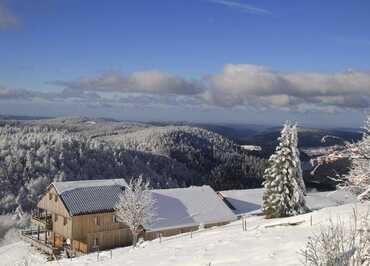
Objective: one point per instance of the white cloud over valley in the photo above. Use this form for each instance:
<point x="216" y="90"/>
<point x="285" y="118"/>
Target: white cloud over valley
<point x="235" y="86"/>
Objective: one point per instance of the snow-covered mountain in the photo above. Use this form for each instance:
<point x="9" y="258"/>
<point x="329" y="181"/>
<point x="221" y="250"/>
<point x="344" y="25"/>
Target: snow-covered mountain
<point x="34" y="154"/>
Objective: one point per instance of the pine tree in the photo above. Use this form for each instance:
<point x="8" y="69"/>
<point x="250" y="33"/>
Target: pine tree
<point x="284" y="193"/>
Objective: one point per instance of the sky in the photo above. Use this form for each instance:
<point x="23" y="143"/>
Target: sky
<point x="219" y="61"/>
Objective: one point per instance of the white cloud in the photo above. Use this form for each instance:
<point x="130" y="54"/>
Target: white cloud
<point x="237" y="86"/>
<point x="256" y="85"/>
<point x="8" y="94"/>
<point x="242" y="6"/>
<point x="151" y="82"/>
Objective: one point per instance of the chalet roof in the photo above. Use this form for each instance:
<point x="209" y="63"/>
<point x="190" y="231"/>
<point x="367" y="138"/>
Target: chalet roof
<point x="90" y="196"/>
<point x="192" y="206"/>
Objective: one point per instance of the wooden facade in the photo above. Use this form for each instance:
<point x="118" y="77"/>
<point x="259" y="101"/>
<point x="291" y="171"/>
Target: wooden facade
<point x="83" y="233"/>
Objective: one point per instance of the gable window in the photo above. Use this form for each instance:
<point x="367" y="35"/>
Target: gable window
<point x="115" y="219"/>
<point x="56" y="198"/>
<point x="50" y="196"/>
<point x="96" y="242"/>
<point x="64" y="220"/>
<point x="97" y="220"/>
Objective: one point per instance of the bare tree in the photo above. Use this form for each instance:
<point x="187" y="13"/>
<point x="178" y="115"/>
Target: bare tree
<point x="358" y="178"/>
<point x="340" y="244"/>
<point x="136" y="206"/>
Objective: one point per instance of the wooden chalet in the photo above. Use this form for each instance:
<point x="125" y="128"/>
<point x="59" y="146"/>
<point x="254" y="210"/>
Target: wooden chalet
<point x="79" y="216"/>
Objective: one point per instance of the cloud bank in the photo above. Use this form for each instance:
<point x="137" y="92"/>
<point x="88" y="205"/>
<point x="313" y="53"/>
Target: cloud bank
<point x="236" y="86"/>
<point x="151" y="82"/>
<point x="261" y="86"/>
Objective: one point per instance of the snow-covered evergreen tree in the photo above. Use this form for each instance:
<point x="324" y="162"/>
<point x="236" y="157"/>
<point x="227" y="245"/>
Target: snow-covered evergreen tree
<point x="358" y="178"/>
<point x="284" y="194"/>
<point x="296" y="156"/>
<point x="136" y="206"/>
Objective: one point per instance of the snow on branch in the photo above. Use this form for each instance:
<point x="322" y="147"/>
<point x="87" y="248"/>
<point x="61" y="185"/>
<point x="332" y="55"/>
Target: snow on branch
<point x="136" y="206"/>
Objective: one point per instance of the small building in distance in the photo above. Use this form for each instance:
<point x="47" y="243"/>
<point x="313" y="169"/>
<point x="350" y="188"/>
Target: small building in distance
<point x="251" y="148"/>
<point x="79" y="216"/>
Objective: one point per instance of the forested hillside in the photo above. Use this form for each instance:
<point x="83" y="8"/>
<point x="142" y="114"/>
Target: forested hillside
<point x="217" y="159"/>
<point x="33" y="155"/>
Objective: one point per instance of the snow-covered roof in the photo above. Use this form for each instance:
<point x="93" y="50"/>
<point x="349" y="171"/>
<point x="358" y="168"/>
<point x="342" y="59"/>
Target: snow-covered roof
<point x="90" y="196"/>
<point x="182" y="207"/>
<point x="244" y="200"/>
<point x="250" y="200"/>
<point x="64" y="186"/>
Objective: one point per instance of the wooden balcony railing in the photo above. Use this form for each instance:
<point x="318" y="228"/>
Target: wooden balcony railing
<point x="43" y="220"/>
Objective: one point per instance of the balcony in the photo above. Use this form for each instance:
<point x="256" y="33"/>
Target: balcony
<point x="42" y="219"/>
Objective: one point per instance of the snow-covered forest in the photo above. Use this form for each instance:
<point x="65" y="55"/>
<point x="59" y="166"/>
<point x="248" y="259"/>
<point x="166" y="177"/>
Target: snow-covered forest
<point x="32" y="156"/>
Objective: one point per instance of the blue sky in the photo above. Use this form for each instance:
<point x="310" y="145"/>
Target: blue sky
<point x="199" y="60"/>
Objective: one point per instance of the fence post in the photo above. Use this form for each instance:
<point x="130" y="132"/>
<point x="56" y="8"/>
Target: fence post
<point x="111" y="254"/>
<point x="244" y="224"/>
<point x="191" y="233"/>
<point x="311" y="220"/>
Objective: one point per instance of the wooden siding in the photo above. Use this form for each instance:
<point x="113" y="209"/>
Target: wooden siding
<point x="109" y="239"/>
<point x="51" y="205"/>
<point x="61" y="228"/>
<point x="79" y="246"/>
<point x="108" y="233"/>
<point x="151" y="235"/>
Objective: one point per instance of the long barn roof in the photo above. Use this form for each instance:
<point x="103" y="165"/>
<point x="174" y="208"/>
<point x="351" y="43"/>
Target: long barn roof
<point x="185" y="207"/>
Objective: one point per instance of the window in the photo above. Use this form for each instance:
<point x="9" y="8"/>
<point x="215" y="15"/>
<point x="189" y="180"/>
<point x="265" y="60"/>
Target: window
<point x="55" y="217"/>
<point x="96" y="242"/>
<point x="65" y="221"/>
<point x="97" y="220"/>
<point x="115" y="219"/>
<point x="56" y="198"/>
<point x="50" y="196"/>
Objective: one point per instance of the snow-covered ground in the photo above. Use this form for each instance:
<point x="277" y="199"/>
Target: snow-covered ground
<point x="250" y="200"/>
<point x="264" y="243"/>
